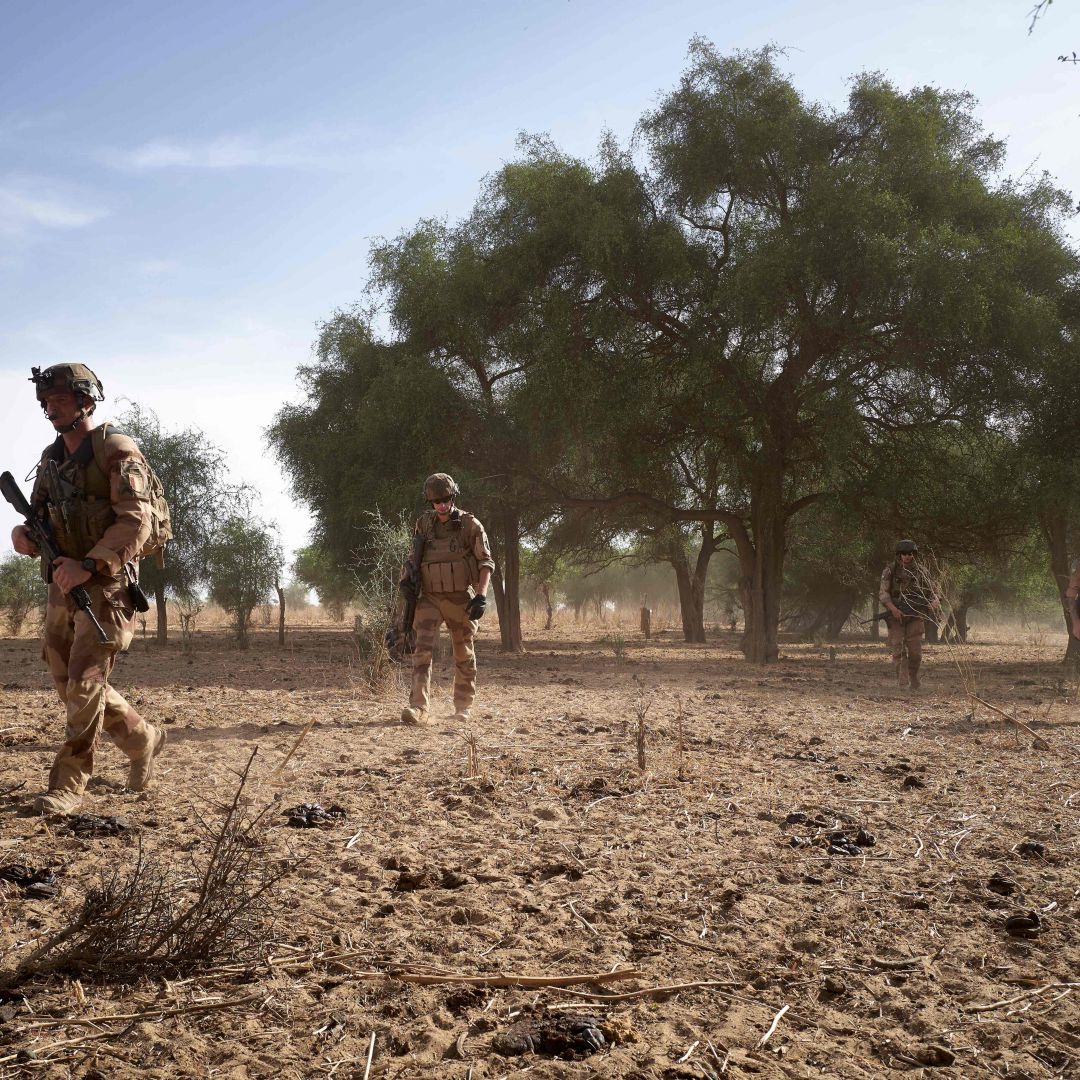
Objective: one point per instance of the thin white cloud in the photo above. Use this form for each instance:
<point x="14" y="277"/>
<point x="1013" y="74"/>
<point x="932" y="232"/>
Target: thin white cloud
<point x="318" y="148"/>
<point x="157" y="267"/>
<point x="26" y="204"/>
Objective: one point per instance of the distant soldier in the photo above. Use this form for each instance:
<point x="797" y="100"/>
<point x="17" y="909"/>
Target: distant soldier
<point x="451" y="587"/>
<point x="1072" y="598"/>
<point x="92" y="488"/>
<point x="908" y="598"/>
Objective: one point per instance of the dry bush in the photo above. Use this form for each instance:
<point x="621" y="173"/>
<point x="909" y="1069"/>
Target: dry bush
<point x="378" y="596"/>
<point x="153" y="919"/>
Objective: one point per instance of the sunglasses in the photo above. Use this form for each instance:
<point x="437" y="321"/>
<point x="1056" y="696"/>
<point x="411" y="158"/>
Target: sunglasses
<point x="441" y="502"/>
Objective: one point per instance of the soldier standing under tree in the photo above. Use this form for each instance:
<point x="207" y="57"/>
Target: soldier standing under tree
<point x="907" y="599"/>
<point x="97" y="502"/>
<point x="450" y="586"/>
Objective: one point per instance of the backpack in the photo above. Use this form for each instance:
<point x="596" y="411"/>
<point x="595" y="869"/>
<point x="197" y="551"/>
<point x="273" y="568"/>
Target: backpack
<point x="160" y="518"/>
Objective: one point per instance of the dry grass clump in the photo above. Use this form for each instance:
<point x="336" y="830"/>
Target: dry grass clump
<point x="153" y="919"/>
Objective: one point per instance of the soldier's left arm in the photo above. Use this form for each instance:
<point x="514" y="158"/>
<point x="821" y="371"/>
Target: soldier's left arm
<point x="129" y="490"/>
<point x="482" y="554"/>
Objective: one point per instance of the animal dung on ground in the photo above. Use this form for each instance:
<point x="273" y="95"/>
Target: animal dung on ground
<point x="1030" y="849"/>
<point x="1023" y="924"/>
<point x="556" y="1035"/>
<point x="91" y="826"/>
<point x="36" y="884"/>
<point x="313" y="816"/>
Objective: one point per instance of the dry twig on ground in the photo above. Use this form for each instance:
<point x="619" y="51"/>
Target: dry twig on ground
<point x="146" y="919"/>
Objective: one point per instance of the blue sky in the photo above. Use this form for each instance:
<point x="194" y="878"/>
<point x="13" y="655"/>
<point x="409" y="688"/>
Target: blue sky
<point x="187" y="190"/>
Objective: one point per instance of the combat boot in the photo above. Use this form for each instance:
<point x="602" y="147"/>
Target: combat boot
<point x="901" y="673"/>
<point x="913" y="674"/>
<point x="56" y="802"/>
<point x="413" y="716"/>
<point x="461" y="716"/>
<point x="141" y="771"/>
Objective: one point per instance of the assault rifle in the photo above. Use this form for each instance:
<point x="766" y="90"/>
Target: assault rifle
<point x="42" y="535"/>
<point x="907" y="609"/>
<point x="401" y="641"/>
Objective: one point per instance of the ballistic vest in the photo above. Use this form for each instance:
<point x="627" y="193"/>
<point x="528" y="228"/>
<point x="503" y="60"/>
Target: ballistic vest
<point x="449" y="562"/>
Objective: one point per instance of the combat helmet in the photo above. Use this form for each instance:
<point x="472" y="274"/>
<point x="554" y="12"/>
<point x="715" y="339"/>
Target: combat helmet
<point x="77" y="378"/>
<point x="440" y="485"/>
<point x="907" y="547"/>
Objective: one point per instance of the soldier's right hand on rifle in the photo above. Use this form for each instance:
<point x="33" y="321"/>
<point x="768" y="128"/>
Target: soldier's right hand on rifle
<point x="22" y="541"/>
<point x="408" y="588"/>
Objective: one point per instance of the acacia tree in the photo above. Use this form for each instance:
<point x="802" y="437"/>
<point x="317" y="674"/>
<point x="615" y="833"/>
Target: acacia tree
<point x="472" y="301"/>
<point x="244" y="563"/>
<point x="194" y="475"/>
<point x="335" y="585"/>
<point x="782" y="282"/>
<point x="21" y="590"/>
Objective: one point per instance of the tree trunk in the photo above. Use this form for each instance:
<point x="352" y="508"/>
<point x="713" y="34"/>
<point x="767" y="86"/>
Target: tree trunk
<point x="1055" y="533"/>
<point x="761" y="558"/>
<point x="549" y="609"/>
<point x="281" y="613"/>
<point x="959" y="620"/>
<point x="507" y="580"/>
<point x="875" y="626"/>
<point x="162" y="614"/>
<point x="691" y="589"/>
<point x="839" y="613"/>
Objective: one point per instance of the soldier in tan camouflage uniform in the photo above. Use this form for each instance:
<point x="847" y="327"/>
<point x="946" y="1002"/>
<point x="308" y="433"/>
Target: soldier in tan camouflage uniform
<point x="453" y="577"/>
<point x="1072" y="597"/>
<point x="905" y="595"/>
<point x="101" y="520"/>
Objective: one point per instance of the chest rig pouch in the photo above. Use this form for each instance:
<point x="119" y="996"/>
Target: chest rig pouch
<point x="74" y="494"/>
<point x="449" y="564"/>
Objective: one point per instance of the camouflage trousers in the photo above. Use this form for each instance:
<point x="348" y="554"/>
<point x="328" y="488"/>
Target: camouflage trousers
<point x="431" y="611"/>
<point x="80" y="665"/>
<point x="907" y="632"/>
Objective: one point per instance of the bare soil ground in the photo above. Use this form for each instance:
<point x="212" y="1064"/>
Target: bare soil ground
<point x="538" y="846"/>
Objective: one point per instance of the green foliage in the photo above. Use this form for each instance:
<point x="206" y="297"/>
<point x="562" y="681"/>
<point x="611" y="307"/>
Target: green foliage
<point x="296" y="596"/>
<point x="21" y="590"/>
<point x="377" y="593"/>
<point x="194" y="475"/>
<point x="244" y="563"/>
<point x="334" y="584"/>
<point x="376" y="420"/>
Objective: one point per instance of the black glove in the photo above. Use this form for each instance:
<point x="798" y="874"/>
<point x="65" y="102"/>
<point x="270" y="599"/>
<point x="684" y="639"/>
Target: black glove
<point x="476" y="607"/>
<point x="408" y="588"/>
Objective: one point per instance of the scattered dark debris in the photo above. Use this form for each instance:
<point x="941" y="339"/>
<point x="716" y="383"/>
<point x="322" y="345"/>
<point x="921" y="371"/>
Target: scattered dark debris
<point x="865" y="839"/>
<point x="839" y="844"/>
<point x="833" y="984"/>
<point x="557" y="1035"/>
<point x="935" y="1056"/>
<point x="411" y="879"/>
<point x="87" y="826"/>
<point x="1023" y="924"/>
<point x="913" y="781"/>
<point x="313" y="816"/>
<point x="1002" y="885"/>
<point x="35" y="884"/>
<point x="1030" y="849"/>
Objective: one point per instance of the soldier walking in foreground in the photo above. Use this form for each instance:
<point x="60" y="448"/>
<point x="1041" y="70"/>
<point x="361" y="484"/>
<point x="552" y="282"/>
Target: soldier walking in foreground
<point x="92" y="493"/>
<point x="907" y="597"/>
<point x="449" y="585"/>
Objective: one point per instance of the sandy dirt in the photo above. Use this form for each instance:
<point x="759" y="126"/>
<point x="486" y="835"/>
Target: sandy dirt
<point x="536" y="845"/>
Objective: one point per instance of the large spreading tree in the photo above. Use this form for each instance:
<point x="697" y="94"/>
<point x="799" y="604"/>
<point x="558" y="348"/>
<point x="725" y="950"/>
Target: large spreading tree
<point x="777" y="286"/>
